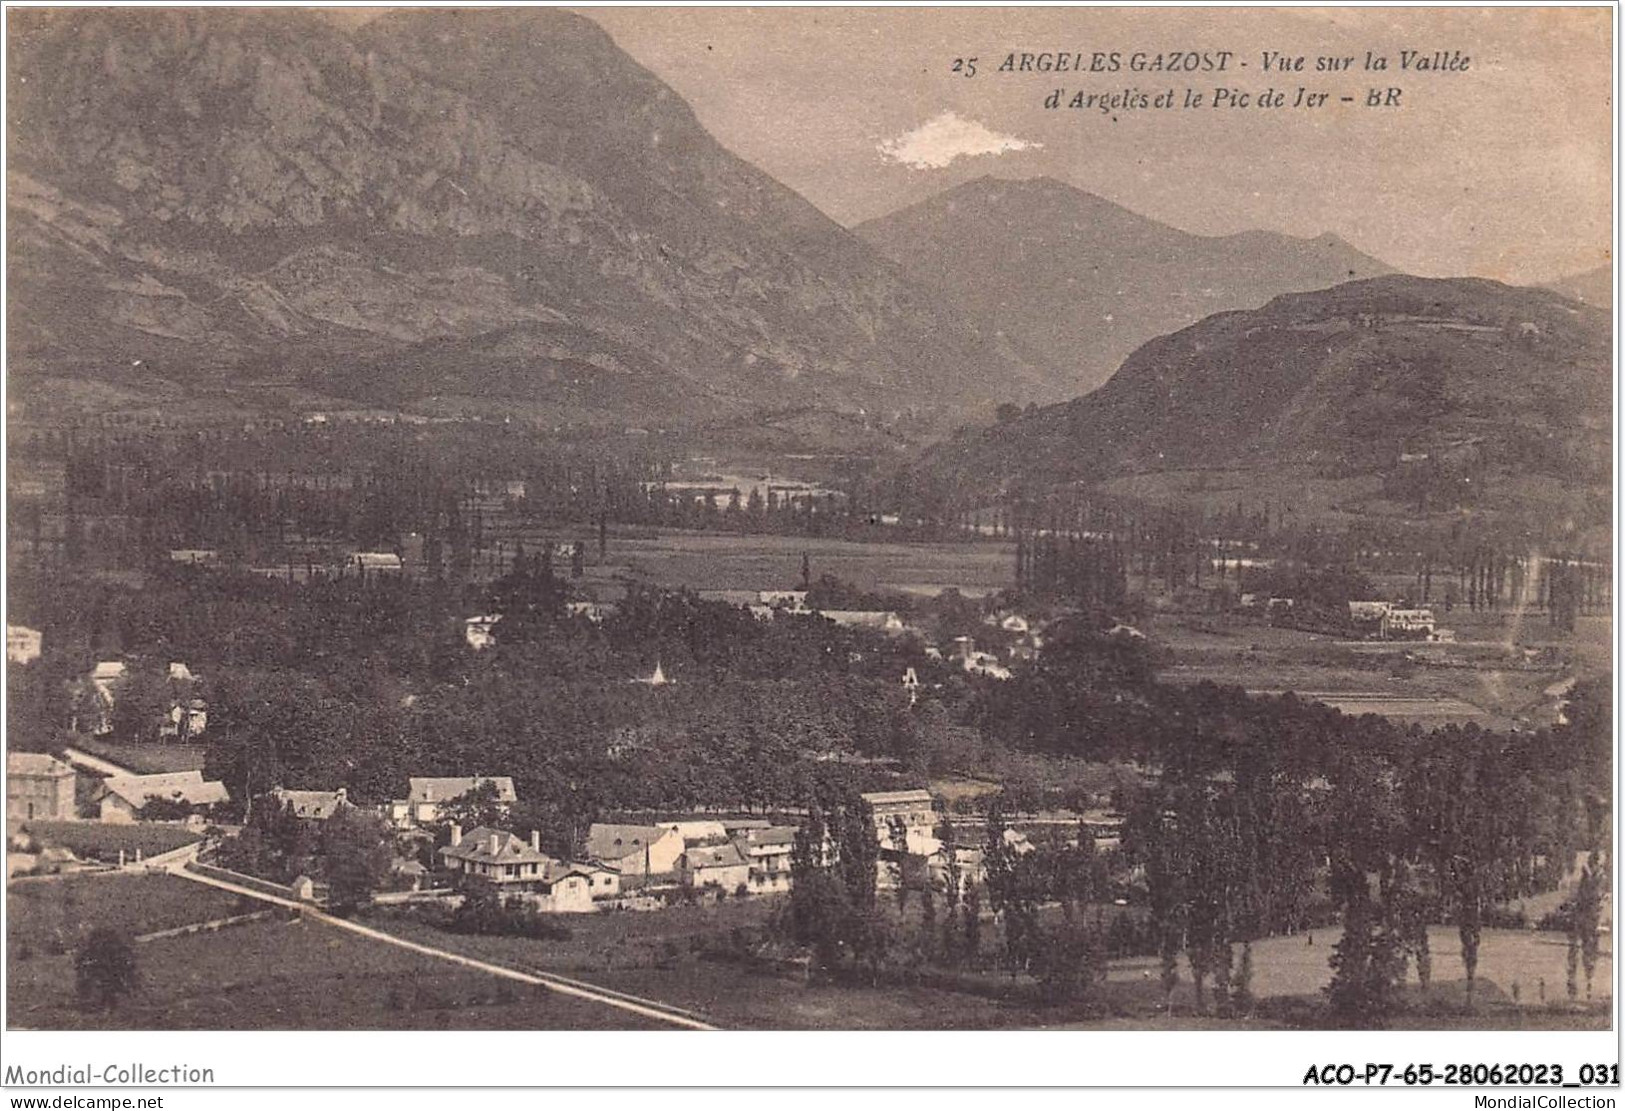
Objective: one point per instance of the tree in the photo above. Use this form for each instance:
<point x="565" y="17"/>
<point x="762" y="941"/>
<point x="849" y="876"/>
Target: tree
<point x="1573" y="982"/>
<point x="1585" y="922"/>
<point x="140" y="702"/>
<point x="166" y="810"/>
<point x="1409" y="910"/>
<point x="973" y="926"/>
<point x="1152" y="837"/>
<point x="1369" y="961"/>
<point x="480" y="805"/>
<point x="1241" y="987"/>
<point x="859" y="852"/>
<point x="105" y="969"/>
<point x="357" y="851"/>
<point x="897" y="833"/>
<point x="1071" y="957"/>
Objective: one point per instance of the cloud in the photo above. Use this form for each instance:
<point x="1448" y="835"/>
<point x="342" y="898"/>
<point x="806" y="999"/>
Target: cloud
<point x="945" y="137"/>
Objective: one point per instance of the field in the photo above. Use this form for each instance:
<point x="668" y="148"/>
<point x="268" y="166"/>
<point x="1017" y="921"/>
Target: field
<point x="723" y="561"/>
<point x="265" y="975"/>
<point x="653" y="955"/>
<point x="1356" y="501"/>
<point x="55" y="912"/>
<point x="1479" y="680"/>
<point x="103" y="841"/>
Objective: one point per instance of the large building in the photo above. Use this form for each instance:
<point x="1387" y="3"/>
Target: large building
<point x="123" y="797"/>
<point x="915" y="811"/>
<point x="38" y="787"/>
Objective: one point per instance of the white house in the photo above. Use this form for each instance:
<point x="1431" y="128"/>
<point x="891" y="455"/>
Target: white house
<point x="477" y="631"/>
<point x="881" y="620"/>
<point x="105" y="679"/>
<point x="427" y="795"/>
<point x="374" y="563"/>
<point x="594" y="612"/>
<point x="722" y="866"/>
<point x="985" y="663"/>
<point x="767" y="851"/>
<point x="1415" y="622"/>
<point x="23" y="644"/>
<point x="38" y="786"/>
<point x="1369" y="611"/>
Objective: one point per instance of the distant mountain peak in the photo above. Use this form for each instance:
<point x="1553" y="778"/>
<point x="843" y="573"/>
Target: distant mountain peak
<point x="1076" y="281"/>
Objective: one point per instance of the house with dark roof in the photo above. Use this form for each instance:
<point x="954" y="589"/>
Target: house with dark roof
<point x="635" y="850"/>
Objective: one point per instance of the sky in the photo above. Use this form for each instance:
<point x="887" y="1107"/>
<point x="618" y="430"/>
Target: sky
<point x="1501" y="171"/>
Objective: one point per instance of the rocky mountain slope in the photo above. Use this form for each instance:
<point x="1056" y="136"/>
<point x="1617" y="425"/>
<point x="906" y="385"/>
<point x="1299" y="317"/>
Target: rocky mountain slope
<point x="1078" y="282"/>
<point x="455" y="207"/>
<point x="1410" y="382"/>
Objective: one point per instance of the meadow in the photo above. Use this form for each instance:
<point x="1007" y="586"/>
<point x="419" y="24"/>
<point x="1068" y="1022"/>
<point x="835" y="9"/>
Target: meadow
<point x="282" y="974"/>
<point x="54" y="912"/>
<point x="1296" y="966"/>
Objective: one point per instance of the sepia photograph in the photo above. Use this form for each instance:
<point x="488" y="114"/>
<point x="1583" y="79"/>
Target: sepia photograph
<point x="809" y="519"/>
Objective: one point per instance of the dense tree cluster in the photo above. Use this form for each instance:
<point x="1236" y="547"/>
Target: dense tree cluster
<point x="1399" y="828"/>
